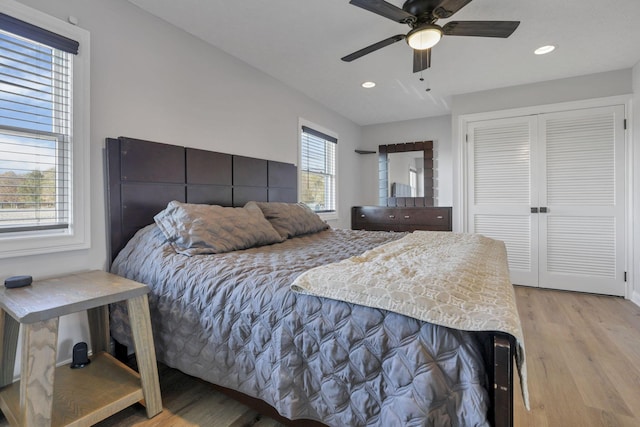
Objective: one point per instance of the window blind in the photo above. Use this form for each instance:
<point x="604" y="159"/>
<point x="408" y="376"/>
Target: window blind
<point x="40" y="35"/>
<point x="35" y="127"/>
<point x="318" y="170"/>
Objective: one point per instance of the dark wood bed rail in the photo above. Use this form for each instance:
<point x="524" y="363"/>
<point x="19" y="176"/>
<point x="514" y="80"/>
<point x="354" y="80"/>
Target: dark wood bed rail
<point x="501" y="380"/>
<point x="143" y="176"/>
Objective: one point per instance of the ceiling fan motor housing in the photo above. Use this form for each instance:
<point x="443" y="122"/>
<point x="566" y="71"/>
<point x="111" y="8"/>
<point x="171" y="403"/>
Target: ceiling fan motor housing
<point x="426" y="11"/>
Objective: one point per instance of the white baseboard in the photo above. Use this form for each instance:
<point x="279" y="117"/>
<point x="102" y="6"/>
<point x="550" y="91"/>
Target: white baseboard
<point x="635" y="298"/>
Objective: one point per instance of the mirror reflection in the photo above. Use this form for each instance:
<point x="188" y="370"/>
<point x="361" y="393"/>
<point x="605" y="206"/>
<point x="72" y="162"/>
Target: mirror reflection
<point x="406" y="168"/>
<point x="405" y="174"/>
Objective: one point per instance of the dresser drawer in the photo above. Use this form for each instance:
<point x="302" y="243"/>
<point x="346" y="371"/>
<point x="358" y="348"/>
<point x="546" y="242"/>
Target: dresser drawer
<point x="401" y="218"/>
<point x="373" y="214"/>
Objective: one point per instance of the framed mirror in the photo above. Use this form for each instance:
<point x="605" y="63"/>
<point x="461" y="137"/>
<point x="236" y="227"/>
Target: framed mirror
<point x="406" y="174"/>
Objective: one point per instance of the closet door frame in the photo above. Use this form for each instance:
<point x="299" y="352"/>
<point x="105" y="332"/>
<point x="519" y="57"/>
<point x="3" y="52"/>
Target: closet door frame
<point x="461" y="167"/>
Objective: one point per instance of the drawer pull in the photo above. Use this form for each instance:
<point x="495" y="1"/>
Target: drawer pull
<point x="363" y="216"/>
<point x="439" y="217"/>
<point x="392" y="216"/>
<point x="407" y="217"/>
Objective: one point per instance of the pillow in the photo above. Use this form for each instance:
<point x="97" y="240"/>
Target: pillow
<point x="291" y="219"/>
<point x="210" y="229"/>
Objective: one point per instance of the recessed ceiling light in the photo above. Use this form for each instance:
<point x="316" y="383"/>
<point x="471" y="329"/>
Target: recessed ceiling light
<point x="544" y="49"/>
<point x="368" y="85"/>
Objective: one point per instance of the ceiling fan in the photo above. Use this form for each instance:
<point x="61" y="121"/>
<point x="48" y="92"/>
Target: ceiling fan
<point x="421" y="16"/>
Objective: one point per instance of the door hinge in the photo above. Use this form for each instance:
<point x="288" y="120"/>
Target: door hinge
<point x="625" y="276"/>
<point x="466" y="137"/>
<point x="625" y="124"/>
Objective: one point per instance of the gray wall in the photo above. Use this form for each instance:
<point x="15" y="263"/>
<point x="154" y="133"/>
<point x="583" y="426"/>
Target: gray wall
<point x="150" y="80"/>
<point x="550" y="92"/>
<point x="591" y="86"/>
<point x="153" y="81"/>
<point x="436" y="129"/>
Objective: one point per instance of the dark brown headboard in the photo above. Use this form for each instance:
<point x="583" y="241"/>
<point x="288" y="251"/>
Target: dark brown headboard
<point x="143" y="176"/>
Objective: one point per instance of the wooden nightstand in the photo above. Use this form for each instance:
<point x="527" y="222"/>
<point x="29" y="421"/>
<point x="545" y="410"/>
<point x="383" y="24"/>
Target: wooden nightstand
<point x="77" y="397"/>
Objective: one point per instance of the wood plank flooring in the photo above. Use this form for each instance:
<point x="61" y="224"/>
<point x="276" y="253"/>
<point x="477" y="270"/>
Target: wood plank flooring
<point x="189" y="402"/>
<point x="583" y="354"/>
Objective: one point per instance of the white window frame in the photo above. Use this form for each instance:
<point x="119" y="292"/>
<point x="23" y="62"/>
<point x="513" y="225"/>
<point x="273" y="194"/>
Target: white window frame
<point x="78" y="235"/>
<point x="327" y="216"/>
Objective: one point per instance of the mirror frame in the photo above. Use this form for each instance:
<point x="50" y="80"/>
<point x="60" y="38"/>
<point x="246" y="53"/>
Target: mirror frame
<point x="383" y="174"/>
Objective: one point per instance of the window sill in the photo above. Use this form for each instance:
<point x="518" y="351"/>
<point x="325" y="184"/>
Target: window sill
<point x="42" y="244"/>
<point x="328" y="216"/>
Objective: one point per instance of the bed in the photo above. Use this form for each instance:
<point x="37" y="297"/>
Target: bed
<point x="233" y="319"/>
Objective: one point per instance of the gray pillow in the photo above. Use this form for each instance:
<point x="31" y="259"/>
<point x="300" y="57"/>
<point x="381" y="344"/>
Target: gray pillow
<point x="210" y="229"/>
<point x="291" y="219"/>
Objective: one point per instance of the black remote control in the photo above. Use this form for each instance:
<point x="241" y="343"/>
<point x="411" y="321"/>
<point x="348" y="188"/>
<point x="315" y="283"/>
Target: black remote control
<point x="18" y="281"/>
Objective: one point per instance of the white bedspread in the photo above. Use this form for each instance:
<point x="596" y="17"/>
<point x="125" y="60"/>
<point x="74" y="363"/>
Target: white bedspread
<point x="456" y="280"/>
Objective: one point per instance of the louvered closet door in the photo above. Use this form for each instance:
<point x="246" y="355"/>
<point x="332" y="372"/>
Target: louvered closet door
<point x="567" y="166"/>
<point x="582" y="185"/>
<point x="500" y="191"/>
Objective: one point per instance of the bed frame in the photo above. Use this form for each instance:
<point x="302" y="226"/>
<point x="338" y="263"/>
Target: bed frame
<point x="143" y="176"/>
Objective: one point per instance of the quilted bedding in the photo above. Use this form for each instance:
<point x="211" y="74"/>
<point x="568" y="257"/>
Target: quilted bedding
<point x="231" y="319"/>
<point x="458" y="280"/>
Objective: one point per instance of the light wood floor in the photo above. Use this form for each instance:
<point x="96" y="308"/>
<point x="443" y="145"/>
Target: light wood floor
<point x="583" y="354"/>
<point x="190" y="402"/>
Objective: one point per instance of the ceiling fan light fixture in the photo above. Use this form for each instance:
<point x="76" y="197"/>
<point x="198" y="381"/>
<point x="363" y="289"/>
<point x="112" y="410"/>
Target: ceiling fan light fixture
<point x="424" y="37"/>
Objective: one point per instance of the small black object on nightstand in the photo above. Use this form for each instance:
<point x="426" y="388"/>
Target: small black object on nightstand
<point x="79" y="357"/>
<point x="18" y="281"/>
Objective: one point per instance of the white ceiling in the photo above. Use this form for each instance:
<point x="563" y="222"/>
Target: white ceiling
<point x="300" y="42"/>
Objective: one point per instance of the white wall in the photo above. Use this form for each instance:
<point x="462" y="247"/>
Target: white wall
<point x="590" y="86"/>
<point x="635" y="270"/>
<point x="152" y="81"/>
<point x="436" y="129"/>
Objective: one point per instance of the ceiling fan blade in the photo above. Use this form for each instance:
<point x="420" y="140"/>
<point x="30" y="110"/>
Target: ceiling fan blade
<point x="446" y="8"/>
<point x="373" y="47"/>
<point x="385" y="9"/>
<point x="421" y="59"/>
<point x="481" y="28"/>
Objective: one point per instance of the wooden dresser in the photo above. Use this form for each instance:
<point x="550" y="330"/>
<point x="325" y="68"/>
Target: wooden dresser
<point x="384" y="218"/>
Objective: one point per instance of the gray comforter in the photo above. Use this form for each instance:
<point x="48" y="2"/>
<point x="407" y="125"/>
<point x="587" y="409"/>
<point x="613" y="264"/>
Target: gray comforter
<point x="231" y="319"/>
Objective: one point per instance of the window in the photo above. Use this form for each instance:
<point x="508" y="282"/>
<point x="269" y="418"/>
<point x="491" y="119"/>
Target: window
<point x="43" y="158"/>
<point x="413" y="182"/>
<point x="318" y="170"/>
